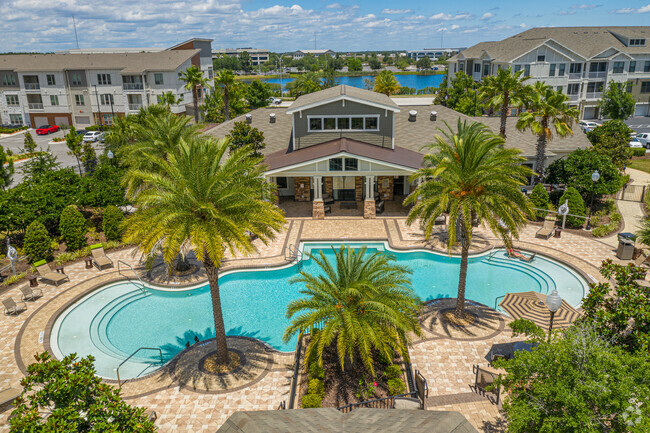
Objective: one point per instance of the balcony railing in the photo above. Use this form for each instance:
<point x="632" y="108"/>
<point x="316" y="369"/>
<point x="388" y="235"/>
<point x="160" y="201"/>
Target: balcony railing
<point x="35" y="105"/>
<point x="132" y="86"/>
<point x="575" y="75"/>
<point x="574" y="97"/>
<point x="32" y="86"/>
<point x="594" y="95"/>
<point x="135" y="107"/>
<point x="597" y="74"/>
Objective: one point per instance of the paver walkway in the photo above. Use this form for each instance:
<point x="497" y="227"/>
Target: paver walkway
<point x="631" y="211"/>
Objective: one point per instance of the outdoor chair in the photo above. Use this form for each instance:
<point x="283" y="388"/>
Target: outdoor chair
<point x="30" y="294"/>
<point x="440" y="220"/>
<point x="641" y="260"/>
<point x="100" y="259"/>
<point x="11" y="307"/>
<point x="547" y="229"/>
<point x="327" y="199"/>
<point x="379" y="207"/>
<point x="9" y="394"/>
<point x="47" y="276"/>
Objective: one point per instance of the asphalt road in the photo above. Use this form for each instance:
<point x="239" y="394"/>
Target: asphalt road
<point x="639" y="124"/>
<point x="59" y="150"/>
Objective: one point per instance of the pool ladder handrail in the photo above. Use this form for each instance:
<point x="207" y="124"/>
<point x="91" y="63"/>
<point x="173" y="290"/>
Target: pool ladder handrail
<point x="119" y="382"/>
<point x="293" y="251"/>
<point x="132" y="270"/>
<point x="492" y="252"/>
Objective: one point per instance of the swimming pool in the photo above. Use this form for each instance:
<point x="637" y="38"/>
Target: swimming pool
<point x="114" y="321"/>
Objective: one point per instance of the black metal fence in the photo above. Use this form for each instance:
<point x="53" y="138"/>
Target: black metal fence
<point x="632" y="193"/>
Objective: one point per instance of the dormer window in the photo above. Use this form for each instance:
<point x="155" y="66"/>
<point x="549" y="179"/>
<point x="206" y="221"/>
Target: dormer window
<point x="637" y="43"/>
<point x="343" y="123"/>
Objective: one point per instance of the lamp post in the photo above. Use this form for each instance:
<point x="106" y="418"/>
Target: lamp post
<point x="594" y="177"/>
<point x="553" y="303"/>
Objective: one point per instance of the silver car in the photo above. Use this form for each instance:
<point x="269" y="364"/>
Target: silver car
<point x="92" y="136"/>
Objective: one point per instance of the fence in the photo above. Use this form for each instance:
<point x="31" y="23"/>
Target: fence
<point x="631" y="193"/>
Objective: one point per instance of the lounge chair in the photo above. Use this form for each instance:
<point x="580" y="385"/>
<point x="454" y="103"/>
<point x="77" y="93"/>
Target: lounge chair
<point x="100" y="259"/>
<point x="11" y="307"/>
<point x="9" y="394"/>
<point x="379" y="207"/>
<point x="327" y="199"/>
<point x="47" y="276"/>
<point x="30" y="294"/>
<point x="547" y="230"/>
<point x="640" y="261"/>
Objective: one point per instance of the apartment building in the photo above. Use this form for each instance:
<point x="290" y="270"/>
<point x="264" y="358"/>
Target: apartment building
<point x="92" y="88"/>
<point x="316" y="53"/>
<point x="258" y="56"/>
<point x="580" y="61"/>
<point x="433" y="53"/>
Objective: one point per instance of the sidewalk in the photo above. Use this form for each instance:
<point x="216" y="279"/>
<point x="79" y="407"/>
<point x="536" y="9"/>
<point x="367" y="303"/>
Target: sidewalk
<point x="631" y="211"/>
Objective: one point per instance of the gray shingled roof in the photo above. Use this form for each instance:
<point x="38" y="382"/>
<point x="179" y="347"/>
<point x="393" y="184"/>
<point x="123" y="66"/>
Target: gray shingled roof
<point x="585" y="41"/>
<point x="327" y="95"/>
<point x="358" y="421"/>
<point x="128" y="63"/>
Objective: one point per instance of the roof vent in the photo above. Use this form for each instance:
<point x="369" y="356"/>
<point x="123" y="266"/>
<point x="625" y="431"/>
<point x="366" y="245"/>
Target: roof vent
<point x="433" y="116"/>
<point x="272" y="118"/>
<point x="412" y="115"/>
<point x="249" y="118"/>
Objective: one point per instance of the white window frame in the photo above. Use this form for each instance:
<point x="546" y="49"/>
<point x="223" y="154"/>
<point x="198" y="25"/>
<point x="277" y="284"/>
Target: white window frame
<point x="52" y="81"/>
<point x="16" y="116"/>
<point x="76" y="79"/>
<point x="104" y="79"/>
<point x="106" y="99"/>
<point x="54" y="100"/>
<point x="162" y="79"/>
<point x="349" y="117"/>
<point x="79" y="100"/>
<point x="10" y="103"/>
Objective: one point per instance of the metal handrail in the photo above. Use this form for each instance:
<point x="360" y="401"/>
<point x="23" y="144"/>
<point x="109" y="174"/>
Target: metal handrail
<point x="133" y="270"/>
<point x="294" y="252"/>
<point x="119" y="382"/>
<point x="282" y="406"/>
<point x="376" y="402"/>
<point x="496" y="299"/>
<point x="491" y="253"/>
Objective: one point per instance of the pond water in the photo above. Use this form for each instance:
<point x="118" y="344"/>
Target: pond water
<point x="414" y="81"/>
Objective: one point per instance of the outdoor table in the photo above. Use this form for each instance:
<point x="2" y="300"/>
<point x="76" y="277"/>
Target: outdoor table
<point x="89" y="262"/>
<point x="33" y="281"/>
<point x="522" y="345"/>
<point x="59" y="269"/>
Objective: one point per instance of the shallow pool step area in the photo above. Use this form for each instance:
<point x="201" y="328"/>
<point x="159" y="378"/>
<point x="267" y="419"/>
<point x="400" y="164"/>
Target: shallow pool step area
<point x="546" y="282"/>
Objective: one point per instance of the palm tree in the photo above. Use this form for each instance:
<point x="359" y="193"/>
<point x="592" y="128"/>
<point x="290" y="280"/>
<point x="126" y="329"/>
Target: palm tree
<point x="362" y="301"/>
<point x="469" y="174"/>
<point x="226" y="79"/>
<point x="200" y="198"/>
<point x="643" y="235"/>
<point x="193" y="78"/>
<point x="169" y="99"/>
<point x="504" y="90"/>
<point x="386" y="83"/>
<point x="309" y="82"/>
<point x="546" y="110"/>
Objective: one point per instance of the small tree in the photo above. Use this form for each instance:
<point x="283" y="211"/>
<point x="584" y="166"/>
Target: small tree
<point x="29" y="143"/>
<point x="374" y="63"/>
<point x="576" y="207"/>
<point x="612" y="139"/>
<point x="73" y="228"/>
<point x="112" y="221"/>
<point x="539" y="197"/>
<point x="258" y="94"/>
<point x="89" y="157"/>
<point x="74" y="399"/>
<point x="242" y="134"/>
<point x="6" y="171"/>
<point x="38" y="244"/>
<point x="576" y="170"/>
<point x="424" y="63"/>
<point x="354" y="65"/>
<point x="386" y="83"/>
<point x="616" y="102"/>
<point x="74" y="142"/>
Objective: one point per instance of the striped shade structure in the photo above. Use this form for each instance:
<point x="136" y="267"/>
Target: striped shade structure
<point x="532" y="306"/>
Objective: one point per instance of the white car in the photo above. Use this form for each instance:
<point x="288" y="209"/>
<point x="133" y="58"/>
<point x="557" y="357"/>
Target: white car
<point x="91" y="136"/>
<point x="587" y="125"/>
<point x="644" y="138"/>
<point x="636" y="144"/>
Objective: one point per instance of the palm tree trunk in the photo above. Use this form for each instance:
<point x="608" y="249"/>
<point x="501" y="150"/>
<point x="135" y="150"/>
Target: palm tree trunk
<point x="219" y="328"/>
<point x="504" y="114"/>
<point x="540" y="157"/>
<point x="195" y="96"/>
<point x="462" y="280"/>
<point x="226" y="104"/>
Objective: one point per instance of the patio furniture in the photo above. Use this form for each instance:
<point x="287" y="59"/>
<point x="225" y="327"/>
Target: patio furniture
<point x="59" y="269"/>
<point x="547" y="230"/>
<point x="9" y="394"/>
<point x="47" y="275"/>
<point x="11" y="307"/>
<point x="33" y="281"/>
<point x="440" y="220"/>
<point x="327" y="199"/>
<point x="532" y="306"/>
<point x="640" y="261"/>
<point x="327" y="209"/>
<point x="100" y="259"/>
<point x="379" y="207"/>
<point x="89" y="262"/>
<point x="30" y="294"/>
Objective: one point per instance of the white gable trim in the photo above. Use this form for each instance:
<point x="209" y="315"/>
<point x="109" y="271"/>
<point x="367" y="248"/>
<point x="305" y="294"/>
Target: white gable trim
<point x="342" y="98"/>
<point x="617" y="52"/>
<point x="340" y="155"/>
<point x="551" y="47"/>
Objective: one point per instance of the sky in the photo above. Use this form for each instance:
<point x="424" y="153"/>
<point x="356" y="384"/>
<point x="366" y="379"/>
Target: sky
<point x="280" y="26"/>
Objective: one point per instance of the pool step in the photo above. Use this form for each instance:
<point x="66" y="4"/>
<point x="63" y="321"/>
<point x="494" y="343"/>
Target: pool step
<point x="547" y="284"/>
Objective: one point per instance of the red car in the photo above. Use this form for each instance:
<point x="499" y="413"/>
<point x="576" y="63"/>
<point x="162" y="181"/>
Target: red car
<point x="44" y="130"/>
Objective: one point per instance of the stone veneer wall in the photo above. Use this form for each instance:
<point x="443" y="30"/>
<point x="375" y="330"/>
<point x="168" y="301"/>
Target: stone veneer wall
<point x="385" y="193"/>
<point x="358" y="188"/>
<point x="302" y="193"/>
<point x="329" y="185"/>
<point x="369" y="210"/>
<point x="318" y="210"/>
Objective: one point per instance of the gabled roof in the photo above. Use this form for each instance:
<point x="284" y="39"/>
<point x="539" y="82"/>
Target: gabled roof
<point x="343" y="92"/>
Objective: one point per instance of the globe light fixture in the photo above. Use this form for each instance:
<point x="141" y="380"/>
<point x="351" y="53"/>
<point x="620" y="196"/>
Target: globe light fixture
<point x="553" y="303"/>
<point x="594" y="177"/>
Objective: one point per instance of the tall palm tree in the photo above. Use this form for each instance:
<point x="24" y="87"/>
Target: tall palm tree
<point x="168" y="99"/>
<point x="362" y="301"/>
<point x="205" y="198"/>
<point x="546" y="109"/>
<point x="193" y="78"/>
<point x="226" y="79"/>
<point x="504" y="90"/>
<point x="470" y="174"/>
<point x="386" y="83"/>
<point x="309" y="82"/>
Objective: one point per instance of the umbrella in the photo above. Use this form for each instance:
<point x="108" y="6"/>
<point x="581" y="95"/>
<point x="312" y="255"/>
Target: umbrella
<point x="532" y="306"/>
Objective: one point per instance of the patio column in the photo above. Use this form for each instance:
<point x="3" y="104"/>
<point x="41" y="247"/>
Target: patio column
<point x="318" y="209"/>
<point x="369" y="210"/>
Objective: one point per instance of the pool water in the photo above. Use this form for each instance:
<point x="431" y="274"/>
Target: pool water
<point x="113" y="322"/>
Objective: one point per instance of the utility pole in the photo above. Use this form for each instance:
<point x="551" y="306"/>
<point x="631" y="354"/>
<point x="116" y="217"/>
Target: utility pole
<point x="99" y="109"/>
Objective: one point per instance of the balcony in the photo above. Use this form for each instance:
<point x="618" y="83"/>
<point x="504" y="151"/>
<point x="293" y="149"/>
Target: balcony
<point x="35" y="105"/>
<point x="32" y="86"/>
<point x="602" y="74"/>
<point x="135" y="107"/>
<point x="574" y="97"/>
<point x="575" y="75"/>
<point x="132" y="86"/>
<point x="594" y="95"/>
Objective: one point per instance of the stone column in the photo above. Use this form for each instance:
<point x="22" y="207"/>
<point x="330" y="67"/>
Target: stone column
<point x="318" y="187"/>
<point x="385" y="187"/>
<point x="369" y="211"/>
<point x="318" y="209"/>
<point x="301" y="188"/>
<point x="358" y="188"/>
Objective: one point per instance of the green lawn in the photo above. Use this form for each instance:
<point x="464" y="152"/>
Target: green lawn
<point x="640" y="164"/>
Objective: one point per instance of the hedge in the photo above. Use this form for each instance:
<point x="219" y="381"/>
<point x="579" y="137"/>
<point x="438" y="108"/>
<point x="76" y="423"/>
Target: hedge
<point x="638" y="151"/>
<point x="73" y="228"/>
<point x="38" y="244"/>
<point x="311" y="401"/>
<point x="316" y="386"/>
<point x="393" y="372"/>
<point x="540" y="198"/>
<point x="112" y="220"/>
<point x="396" y="386"/>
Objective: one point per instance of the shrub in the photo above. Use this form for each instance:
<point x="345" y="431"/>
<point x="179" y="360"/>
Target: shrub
<point x="638" y="152"/>
<point x="396" y="386"/>
<point x="71" y="256"/>
<point x="38" y="244"/>
<point x="393" y="372"/>
<point x="540" y="198"/>
<point x="311" y="401"/>
<point x="316" y="371"/>
<point x="576" y="207"/>
<point x="29" y="143"/>
<point x="316" y="386"/>
<point x="73" y="228"/>
<point x="13" y="278"/>
<point x="384" y="359"/>
<point x="113" y="217"/>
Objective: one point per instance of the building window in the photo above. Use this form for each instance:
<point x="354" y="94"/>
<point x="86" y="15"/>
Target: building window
<point x="351" y="164"/>
<point x="619" y="67"/>
<point x="104" y="79"/>
<point x="79" y="100"/>
<point x="336" y="164"/>
<point x="558" y="89"/>
<point x="108" y="118"/>
<point x="477" y="68"/>
<point x="573" y="89"/>
<point x="16" y="119"/>
<point x="76" y="79"/>
<point x="517" y="68"/>
<point x="343" y="123"/>
<point x="461" y="66"/>
<point x="329" y="123"/>
<point x="54" y="100"/>
<point x="281" y="182"/>
<point x="645" y="87"/>
<point x="106" y="99"/>
<point x="12" y="100"/>
<point x="527" y="71"/>
<point x="598" y="67"/>
<point x="9" y="80"/>
<point x="486" y="70"/>
<point x="158" y="79"/>
<point x="561" y="69"/>
<point x="541" y="58"/>
<point x="51" y="81"/>
<point x="551" y="71"/>
<point x="316" y="124"/>
<point x="646" y="67"/>
<point x="594" y="87"/>
<point x="632" y="66"/>
<point x="628" y="87"/>
<point x="637" y="42"/>
<point x="575" y="68"/>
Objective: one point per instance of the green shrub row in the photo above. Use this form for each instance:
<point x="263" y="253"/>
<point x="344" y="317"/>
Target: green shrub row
<point x="396" y="386"/>
<point x="13" y="278"/>
<point x="393" y="372"/>
<point x="638" y="152"/>
<point x="12" y="130"/>
<point x="71" y="256"/>
<point x="315" y="387"/>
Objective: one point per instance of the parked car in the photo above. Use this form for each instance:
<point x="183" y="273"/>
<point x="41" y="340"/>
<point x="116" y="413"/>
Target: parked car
<point x="636" y="144"/>
<point x="81" y="132"/>
<point x="587" y="125"/>
<point x="101" y="137"/>
<point x="46" y="129"/>
<point x="92" y="136"/>
<point x="275" y="101"/>
<point x="644" y="138"/>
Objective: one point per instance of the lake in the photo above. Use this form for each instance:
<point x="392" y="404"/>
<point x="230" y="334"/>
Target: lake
<point x="414" y="81"/>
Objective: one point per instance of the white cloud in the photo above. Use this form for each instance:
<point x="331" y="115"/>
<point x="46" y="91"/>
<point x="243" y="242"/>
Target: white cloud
<point x="641" y="10"/>
<point x="523" y="25"/>
<point x="448" y="17"/>
<point x="487" y="16"/>
<point x="455" y="26"/>
<point x="334" y="6"/>
<point x="585" y="6"/>
<point x="396" y="11"/>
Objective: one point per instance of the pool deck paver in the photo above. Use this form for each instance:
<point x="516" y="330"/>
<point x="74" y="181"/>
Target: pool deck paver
<point x="445" y="362"/>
